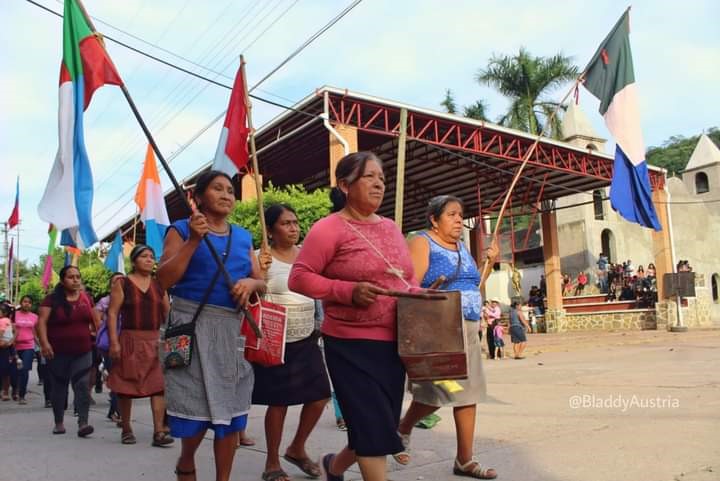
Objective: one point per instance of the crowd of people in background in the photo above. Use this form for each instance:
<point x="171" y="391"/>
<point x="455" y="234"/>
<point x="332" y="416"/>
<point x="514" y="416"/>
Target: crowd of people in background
<point x="623" y="282"/>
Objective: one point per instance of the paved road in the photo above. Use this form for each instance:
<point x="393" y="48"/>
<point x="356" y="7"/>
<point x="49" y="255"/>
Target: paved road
<point x="648" y="409"/>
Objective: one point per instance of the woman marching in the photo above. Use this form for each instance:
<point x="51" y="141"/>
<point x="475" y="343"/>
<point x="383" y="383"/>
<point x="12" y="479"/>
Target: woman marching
<point x="136" y="371"/>
<point x="438" y="252"/>
<point x="302" y="378"/>
<point x="64" y="330"/>
<point x="25" y="325"/>
<point x="349" y="260"/>
<point x="213" y="391"/>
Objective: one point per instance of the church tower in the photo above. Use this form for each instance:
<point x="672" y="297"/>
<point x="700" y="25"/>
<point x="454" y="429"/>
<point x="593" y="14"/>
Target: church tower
<point x="702" y="173"/>
<point x="577" y="130"/>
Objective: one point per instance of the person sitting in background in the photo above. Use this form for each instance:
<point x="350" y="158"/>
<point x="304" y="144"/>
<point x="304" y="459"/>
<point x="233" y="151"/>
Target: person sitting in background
<point x="640" y="273"/>
<point x="627" y="293"/>
<point x="650" y="272"/>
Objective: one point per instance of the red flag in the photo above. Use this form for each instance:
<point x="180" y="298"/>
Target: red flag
<point x="15" y="216"/>
<point x="232" y="151"/>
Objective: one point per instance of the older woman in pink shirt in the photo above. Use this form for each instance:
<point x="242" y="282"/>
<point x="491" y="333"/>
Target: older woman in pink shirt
<point x="349" y="260"/>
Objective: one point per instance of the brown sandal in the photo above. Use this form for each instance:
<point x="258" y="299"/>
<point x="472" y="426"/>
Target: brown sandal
<point x="306" y="465"/>
<point x="128" y="438"/>
<point x="161" y="438"/>
<point x="179" y="472"/>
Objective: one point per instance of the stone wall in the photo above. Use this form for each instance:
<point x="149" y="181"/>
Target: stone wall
<point x="697" y="313"/>
<point x="626" y="320"/>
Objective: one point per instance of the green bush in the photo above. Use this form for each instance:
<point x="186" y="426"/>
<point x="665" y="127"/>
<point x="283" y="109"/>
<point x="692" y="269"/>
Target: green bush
<point x="33" y="288"/>
<point x="310" y="206"/>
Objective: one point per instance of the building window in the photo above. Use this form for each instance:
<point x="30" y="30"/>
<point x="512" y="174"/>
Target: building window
<point x="702" y="184"/>
<point x="598" y="205"/>
<point x="715" y="283"/>
<point x="607" y="240"/>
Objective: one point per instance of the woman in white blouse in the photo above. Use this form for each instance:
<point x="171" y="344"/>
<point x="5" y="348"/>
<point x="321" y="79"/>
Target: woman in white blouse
<point x="302" y="379"/>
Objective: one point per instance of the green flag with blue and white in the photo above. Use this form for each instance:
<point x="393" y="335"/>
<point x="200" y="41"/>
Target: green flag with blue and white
<point x="611" y="78"/>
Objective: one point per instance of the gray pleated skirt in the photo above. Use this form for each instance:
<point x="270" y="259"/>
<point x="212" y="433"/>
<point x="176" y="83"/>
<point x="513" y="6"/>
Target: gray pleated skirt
<point x="474" y="387"/>
<point x="217" y="386"/>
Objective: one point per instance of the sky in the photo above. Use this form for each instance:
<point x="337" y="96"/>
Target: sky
<point x="405" y="50"/>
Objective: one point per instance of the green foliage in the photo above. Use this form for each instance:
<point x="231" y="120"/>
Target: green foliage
<point x="449" y="102"/>
<point x="477" y="111"/>
<point x="95" y="278"/>
<point x="310" y="206"/>
<point x="33" y="288"/>
<point x="675" y="152"/>
<point x="524" y="79"/>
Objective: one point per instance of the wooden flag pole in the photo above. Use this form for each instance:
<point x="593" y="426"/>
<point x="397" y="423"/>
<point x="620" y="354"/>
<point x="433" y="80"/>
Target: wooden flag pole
<point x="253" y="156"/>
<point x="526" y="158"/>
<point x="181" y="193"/>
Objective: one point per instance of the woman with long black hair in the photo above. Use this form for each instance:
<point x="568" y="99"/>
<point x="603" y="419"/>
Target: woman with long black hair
<point x="64" y="321"/>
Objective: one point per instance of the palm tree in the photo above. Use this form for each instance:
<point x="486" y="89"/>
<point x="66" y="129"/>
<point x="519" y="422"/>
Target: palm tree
<point x="477" y="111"/>
<point x="524" y="79"/>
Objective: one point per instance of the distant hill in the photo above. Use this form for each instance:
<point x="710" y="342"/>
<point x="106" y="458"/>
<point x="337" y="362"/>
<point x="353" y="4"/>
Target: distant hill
<point x="675" y="152"/>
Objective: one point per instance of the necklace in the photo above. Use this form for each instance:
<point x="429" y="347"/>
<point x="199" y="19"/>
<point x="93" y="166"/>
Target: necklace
<point x="220" y="232"/>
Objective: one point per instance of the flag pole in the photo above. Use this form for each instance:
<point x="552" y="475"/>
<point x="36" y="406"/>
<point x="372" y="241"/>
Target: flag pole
<point x="253" y="156"/>
<point x="171" y="175"/>
<point x="525" y="160"/>
<point x="17" y="266"/>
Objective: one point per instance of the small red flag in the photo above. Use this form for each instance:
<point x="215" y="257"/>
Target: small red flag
<point x="232" y="153"/>
<point x="15" y="215"/>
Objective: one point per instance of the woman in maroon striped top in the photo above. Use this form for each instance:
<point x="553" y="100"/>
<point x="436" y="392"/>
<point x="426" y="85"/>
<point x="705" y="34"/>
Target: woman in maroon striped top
<point x="136" y="371"/>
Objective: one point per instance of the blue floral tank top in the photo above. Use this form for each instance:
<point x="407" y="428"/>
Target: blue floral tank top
<point x="443" y="262"/>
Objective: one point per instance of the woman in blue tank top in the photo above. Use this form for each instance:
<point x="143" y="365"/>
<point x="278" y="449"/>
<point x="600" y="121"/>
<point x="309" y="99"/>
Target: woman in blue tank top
<point x="440" y="253"/>
<point x="214" y="391"/>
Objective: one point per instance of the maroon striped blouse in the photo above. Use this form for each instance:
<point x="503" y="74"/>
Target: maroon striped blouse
<point x="142" y="310"/>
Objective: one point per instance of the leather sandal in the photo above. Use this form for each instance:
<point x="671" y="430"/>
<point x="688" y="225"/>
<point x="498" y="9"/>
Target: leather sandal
<point x="477" y="471"/>
<point x="179" y="472"/>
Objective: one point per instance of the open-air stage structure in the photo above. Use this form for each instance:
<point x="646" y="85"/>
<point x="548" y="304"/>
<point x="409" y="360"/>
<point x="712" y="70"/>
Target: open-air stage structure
<point x="443" y="154"/>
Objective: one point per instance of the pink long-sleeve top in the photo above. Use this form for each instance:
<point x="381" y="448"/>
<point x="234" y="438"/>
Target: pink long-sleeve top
<point x="334" y="258"/>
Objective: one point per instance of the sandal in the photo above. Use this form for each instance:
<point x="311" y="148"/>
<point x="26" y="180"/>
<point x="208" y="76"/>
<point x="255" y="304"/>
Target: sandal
<point x="128" y="438"/>
<point x="58" y="430"/>
<point x="278" y="475"/>
<point x="85" y="431"/>
<point x="341" y="425"/>
<point x="245" y="442"/>
<point x="161" y="438"/>
<point x="403" y="457"/>
<point x="325" y="462"/>
<point x="179" y="472"/>
<point x="306" y="465"/>
<point x="5" y="396"/>
<point x="477" y="471"/>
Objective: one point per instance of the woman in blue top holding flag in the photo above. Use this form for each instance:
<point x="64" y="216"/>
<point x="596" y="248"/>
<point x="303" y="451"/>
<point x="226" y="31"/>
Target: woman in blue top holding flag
<point x="214" y="391"/>
<point x="440" y="257"/>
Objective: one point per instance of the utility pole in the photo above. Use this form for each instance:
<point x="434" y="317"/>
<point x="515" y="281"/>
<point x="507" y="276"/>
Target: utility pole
<point x="5" y="256"/>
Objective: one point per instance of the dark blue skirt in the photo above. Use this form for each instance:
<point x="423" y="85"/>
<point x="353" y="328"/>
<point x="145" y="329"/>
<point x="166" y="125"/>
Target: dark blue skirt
<point x="368" y="378"/>
<point x="517" y="334"/>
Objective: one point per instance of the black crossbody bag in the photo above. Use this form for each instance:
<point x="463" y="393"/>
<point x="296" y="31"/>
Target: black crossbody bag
<point x="178" y="340"/>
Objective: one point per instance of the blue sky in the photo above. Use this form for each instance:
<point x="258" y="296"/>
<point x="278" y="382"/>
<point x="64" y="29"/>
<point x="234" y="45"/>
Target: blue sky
<point x="409" y="51"/>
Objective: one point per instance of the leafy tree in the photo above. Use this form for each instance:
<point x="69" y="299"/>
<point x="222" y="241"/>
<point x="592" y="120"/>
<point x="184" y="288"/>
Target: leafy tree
<point x="449" y="102"/>
<point x="476" y="111"/>
<point x="95" y="278"/>
<point x="33" y="288"/>
<point x="675" y="152"/>
<point x="310" y="206"/>
<point x="524" y="79"/>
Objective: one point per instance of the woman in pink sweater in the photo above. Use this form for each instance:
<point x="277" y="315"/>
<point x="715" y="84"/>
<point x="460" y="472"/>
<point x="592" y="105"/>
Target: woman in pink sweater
<point x="350" y="259"/>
